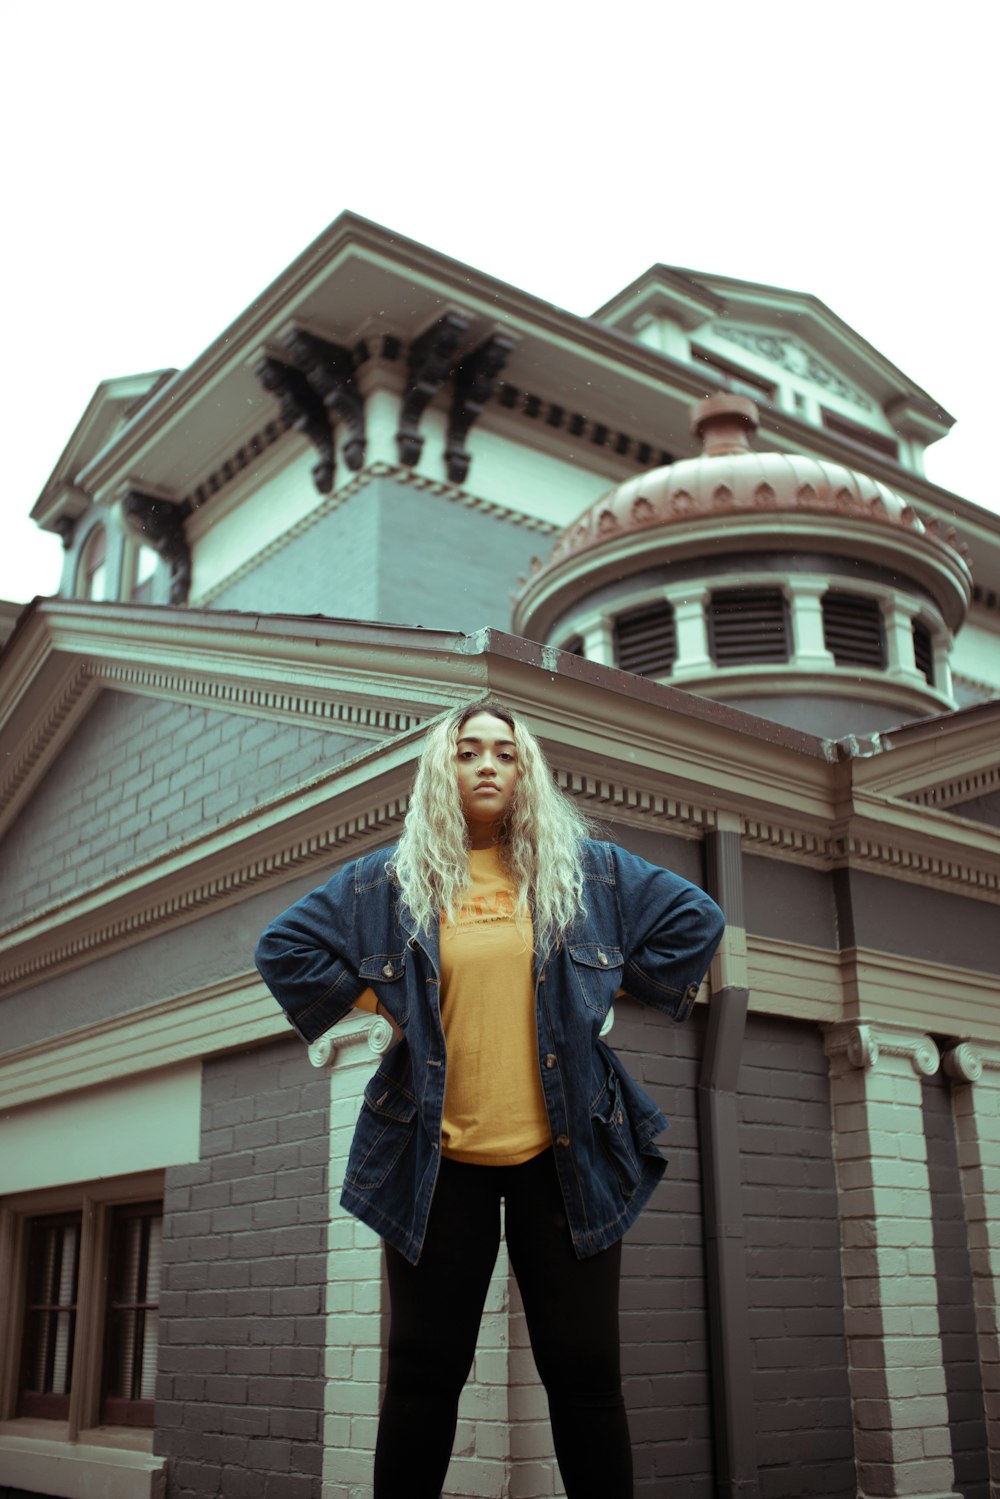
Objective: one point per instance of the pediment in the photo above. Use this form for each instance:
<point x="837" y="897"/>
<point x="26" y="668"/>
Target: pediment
<point x="949" y="764"/>
<point x="352" y="682"/>
<point x="785" y="333"/>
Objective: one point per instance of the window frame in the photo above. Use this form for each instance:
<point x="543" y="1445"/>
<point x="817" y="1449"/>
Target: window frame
<point x="96" y="1202"/>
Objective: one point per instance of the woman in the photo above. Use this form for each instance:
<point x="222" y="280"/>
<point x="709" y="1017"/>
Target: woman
<point x="495" y="937"/>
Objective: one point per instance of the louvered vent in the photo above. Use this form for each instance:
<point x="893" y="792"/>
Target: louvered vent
<point x="852" y="630"/>
<point x="748" y="625"/>
<point x="573" y="646"/>
<point x="923" y="650"/>
<point x="646" y="641"/>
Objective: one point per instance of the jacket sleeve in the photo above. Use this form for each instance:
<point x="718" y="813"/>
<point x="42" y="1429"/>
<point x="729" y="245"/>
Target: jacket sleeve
<point x="308" y="960"/>
<point x="672" y="929"/>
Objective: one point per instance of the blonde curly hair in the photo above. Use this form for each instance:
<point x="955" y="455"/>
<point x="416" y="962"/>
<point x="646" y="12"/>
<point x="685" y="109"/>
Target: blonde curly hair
<point x="540" y="838"/>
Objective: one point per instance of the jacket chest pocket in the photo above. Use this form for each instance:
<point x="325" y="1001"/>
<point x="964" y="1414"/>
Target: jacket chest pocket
<point x="385" y="973"/>
<point x="385" y="1128"/>
<point x="596" y="972"/>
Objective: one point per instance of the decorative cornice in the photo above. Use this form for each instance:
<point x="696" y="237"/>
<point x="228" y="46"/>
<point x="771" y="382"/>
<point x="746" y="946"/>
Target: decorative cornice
<point x="20" y="767"/>
<point x="347" y="491"/>
<point x="244" y="697"/>
<point x="959" y="789"/>
<point x="888" y="853"/>
<point x="804" y="845"/>
<point x="864" y="1043"/>
<point x="539" y="408"/>
<point x="631" y="804"/>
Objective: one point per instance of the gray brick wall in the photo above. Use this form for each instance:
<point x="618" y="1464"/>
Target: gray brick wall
<point x="140" y="775"/>
<point x="240" y="1384"/>
<point x="804" y="1432"/>
<point x="398" y="554"/>
<point x="956" y="1306"/>
<point x="663" y="1319"/>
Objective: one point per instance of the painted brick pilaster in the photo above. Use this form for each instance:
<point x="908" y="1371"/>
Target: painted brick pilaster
<point x="898" y="1390"/>
<point x="358" y="1319"/>
<point x="975" y="1071"/>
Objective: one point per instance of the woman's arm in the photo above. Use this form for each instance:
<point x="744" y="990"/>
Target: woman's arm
<point x="308" y="960"/>
<point x="672" y="929"/>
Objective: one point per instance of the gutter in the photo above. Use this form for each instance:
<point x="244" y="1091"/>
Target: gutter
<point x="731" y="1362"/>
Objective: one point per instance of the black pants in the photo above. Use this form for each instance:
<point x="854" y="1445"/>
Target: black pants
<point x="571" y="1306"/>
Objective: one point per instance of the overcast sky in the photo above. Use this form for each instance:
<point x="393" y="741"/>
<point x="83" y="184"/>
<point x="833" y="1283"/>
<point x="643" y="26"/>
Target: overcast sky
<point x="165" y="162"/>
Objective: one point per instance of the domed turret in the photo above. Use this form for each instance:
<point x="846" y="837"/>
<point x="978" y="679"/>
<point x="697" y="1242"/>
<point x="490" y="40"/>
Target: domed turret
<point x="798" y="588"/>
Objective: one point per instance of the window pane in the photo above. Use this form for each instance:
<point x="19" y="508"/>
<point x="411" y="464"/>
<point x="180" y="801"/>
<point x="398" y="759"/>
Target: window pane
<point x="50" y="1315"/>
<point x="133" y="1321"/>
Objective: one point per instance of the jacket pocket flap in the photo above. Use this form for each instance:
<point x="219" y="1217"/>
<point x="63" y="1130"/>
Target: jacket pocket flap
<point x="382" y="968"/>
<point x="384" y="1097"/>
<point x="596" y="955"/>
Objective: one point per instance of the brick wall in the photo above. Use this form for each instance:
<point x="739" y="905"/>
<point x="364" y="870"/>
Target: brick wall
<point x="795" y="1290"/>
<point x="357" y="562"/>
<point x="663" y="1321"/>
<point x="956" y="1309"/>
<point x="140" y="775"/>
<point x="240" y="1386"/>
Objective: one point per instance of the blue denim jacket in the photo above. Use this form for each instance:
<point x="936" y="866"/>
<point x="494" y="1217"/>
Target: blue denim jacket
<point x="644" y="930"/>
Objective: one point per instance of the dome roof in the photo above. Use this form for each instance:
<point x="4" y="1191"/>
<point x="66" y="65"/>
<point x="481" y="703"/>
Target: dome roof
<point x="730" y="479"/>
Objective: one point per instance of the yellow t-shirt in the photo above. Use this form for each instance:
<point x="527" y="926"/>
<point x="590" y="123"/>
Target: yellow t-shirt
<point x="494" y="1108"/>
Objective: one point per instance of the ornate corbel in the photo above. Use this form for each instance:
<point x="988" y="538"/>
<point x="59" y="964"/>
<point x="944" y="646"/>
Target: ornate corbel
<point x="160" y="524"/>
<point x="430" y="362"/>
<point x="65" y="528"/>
<point x="474" y="380"/>
<point x="330" y="370"/>
<point x="302" y="409"/>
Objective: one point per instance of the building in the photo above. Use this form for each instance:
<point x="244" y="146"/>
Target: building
<point x="759" y="646"/>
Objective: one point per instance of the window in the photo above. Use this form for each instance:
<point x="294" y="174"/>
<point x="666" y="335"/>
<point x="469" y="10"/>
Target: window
<point x="747" y="626"/>
<point x="79" y="1304"/>
<point x="852" y="630"/>
<point x="93" y="573"/>
<point x="735" y="378"/>
<point x="853" y="430"/>
<point x="923" y="650"/>
<point x="49" y="1316"/>
<point x="646" y="641"/>
<point x="143" y="563"/>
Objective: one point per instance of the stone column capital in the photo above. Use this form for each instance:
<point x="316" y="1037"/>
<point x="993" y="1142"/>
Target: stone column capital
<point x="864" y="1042"/>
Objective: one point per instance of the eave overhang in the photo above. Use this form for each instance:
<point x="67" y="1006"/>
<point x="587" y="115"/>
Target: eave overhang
<point x="628" y="749"/>
<point x="359" y="281"/>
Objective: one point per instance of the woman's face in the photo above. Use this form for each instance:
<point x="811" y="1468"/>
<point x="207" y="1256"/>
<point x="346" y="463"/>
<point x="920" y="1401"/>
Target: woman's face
<point x="487" y="774"/>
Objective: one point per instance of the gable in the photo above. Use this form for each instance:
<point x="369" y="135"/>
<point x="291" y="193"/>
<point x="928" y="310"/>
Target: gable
<point x="141" y="775"/>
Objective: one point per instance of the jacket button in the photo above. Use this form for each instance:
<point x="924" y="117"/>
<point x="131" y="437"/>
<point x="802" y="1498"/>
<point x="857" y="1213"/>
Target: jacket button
<point x="562" y="1140"/>
<point x="550" y="1060"/>
<point x="692" y="991"/>
<point x="602" y="958"/>
<point x="387" y="970"/>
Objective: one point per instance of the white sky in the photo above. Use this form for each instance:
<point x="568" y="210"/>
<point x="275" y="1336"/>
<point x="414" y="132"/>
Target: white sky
<point x="165" y="162"/>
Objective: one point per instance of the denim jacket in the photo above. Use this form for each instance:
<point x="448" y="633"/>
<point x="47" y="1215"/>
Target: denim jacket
<point x="643" y="930"/>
